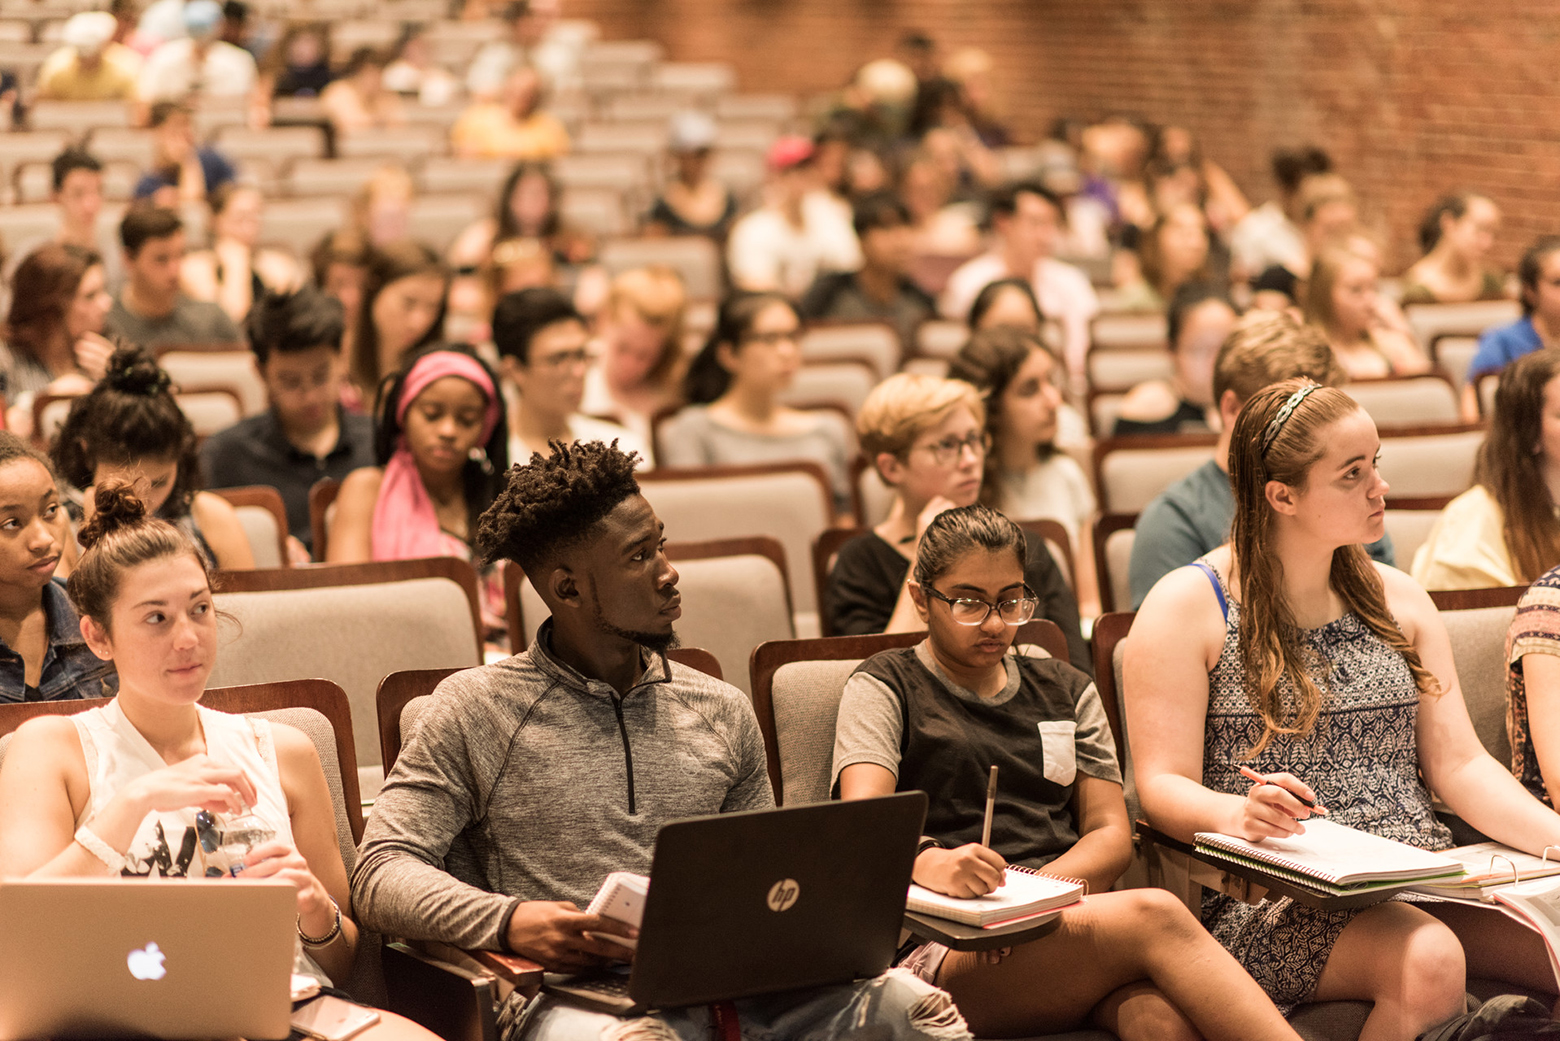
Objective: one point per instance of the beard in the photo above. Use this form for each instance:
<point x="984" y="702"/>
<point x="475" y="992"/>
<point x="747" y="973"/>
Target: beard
<point x="656" y="643"/>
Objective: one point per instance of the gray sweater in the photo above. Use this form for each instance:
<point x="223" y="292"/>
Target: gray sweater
<point x="526" y="781"/>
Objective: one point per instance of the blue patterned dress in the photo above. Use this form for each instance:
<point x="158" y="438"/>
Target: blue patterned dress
<point x="1361" y="759"/>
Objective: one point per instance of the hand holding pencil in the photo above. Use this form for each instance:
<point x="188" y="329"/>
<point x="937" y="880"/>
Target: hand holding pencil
<point x="1276" y="805"/>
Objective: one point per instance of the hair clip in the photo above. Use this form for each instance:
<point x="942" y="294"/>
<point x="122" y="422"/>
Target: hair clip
<point x="1277" y="422"/>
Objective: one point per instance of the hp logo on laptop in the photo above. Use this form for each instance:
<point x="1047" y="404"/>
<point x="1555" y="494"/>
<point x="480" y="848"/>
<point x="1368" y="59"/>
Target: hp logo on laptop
<point x="783" y="894"/>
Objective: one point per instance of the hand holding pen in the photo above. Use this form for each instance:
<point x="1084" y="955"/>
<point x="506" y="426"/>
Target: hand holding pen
<point x="1276" y="805"/>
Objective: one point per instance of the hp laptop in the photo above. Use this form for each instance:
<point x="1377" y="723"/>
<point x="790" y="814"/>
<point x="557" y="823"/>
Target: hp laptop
<point x="175" y="959"/>
<point x="753" y="903"/>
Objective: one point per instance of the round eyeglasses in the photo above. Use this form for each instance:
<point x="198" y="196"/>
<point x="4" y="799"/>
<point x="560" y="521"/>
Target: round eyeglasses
<point x="968" y="611"/>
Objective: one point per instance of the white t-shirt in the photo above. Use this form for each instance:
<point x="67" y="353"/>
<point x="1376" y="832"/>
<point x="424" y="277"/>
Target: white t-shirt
<point x="766" y="251"/>
<point x="170" y="72"/>
<point x="1055" y="490"/>
<point x="1064" y="293"/>
<point x="587" y="428"/>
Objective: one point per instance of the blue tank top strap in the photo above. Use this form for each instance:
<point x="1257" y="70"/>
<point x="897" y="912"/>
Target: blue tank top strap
<point x="1218" y="587"/>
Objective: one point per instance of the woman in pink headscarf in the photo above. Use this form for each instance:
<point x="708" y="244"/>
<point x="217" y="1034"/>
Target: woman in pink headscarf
<point x="440" y="438"/>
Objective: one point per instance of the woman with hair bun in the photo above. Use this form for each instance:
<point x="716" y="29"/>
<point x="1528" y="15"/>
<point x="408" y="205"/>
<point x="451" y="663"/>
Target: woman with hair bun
<point x="1289" y="654"/>
<point x="42" y="656"/>
<point x="146" y="785"/>
<point x="130" y="428"/>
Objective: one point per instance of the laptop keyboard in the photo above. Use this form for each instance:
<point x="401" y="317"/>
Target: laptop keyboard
<point x="613" y="985"/>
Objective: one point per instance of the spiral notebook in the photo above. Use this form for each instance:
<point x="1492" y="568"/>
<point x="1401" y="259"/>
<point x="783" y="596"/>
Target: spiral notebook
<point x="1023" y="893"/>
<point x="1333" y="858"/>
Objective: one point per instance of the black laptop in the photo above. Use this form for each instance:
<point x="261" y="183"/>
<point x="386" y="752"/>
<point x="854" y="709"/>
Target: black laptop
<point x="753" y="903"/>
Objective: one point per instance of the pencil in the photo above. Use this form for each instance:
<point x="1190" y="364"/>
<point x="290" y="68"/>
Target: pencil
<point x="1251" y="775"/>
<point x="991" y="804"/>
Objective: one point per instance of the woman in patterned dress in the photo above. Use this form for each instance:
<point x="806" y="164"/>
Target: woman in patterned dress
<point x="1288" y="651"/>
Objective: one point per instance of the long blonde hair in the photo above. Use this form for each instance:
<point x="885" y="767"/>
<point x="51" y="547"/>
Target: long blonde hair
<point x="1278" y="437"/>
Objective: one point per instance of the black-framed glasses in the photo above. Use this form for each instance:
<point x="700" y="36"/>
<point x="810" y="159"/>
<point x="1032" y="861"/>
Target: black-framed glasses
<point x="969" y="611"/>
<point x="951" y="449"/>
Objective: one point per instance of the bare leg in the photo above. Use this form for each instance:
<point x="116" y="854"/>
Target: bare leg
<point x="1405" y="961"/>
<point x="1498" y="948"/>
<point x="1113" y="941"/>
<point x="1139" y="1012"/>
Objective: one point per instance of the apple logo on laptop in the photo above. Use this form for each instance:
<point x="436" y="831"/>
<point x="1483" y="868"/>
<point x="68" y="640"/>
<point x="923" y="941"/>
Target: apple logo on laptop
<point x="146" y="963"/>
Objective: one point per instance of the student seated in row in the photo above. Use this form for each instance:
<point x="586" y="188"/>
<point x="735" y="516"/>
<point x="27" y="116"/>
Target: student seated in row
<point x="42" y="654"/>
<point x="927" y="437"/>
<point x="441" y="444"/>
<point x="130" y="428"/>
<point x="933" y="717"/>
<point x="129" y="788"/>
<point x="541" y="773"/>
<point x="305" y="435"/>
<point x="1192" y="516"/>
<point x="1291" y="652"/>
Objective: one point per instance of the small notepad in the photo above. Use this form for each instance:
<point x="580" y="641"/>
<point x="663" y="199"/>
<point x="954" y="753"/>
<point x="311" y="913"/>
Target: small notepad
<point x="1334" y="856"/>
<point x="621" y="898"/>
<point x="1023" y="893"/>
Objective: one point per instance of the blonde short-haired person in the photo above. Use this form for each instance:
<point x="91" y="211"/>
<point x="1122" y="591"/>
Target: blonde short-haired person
<point x="1289" y="652"/>
<point x="927" y="438"/>
<point x="639" y="367"/>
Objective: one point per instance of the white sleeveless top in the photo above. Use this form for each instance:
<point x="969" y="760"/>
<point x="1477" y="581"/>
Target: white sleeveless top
<point x="116" y="754"/>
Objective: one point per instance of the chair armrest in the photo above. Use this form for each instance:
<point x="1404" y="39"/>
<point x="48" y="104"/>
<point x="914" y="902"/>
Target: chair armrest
<point x="513" y="969"/>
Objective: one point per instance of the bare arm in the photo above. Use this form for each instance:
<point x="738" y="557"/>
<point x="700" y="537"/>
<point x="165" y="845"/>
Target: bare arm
<point x="1454" y="762"/>
<point x="314" y="833"/>
<point x="351" y="530"/>
<point x="223" y="531"/>
<point x="1541" y="674"/>
<point x="1175" y="642"/>
<point x="1104" y="846"/>
<point x="971" y="870"/>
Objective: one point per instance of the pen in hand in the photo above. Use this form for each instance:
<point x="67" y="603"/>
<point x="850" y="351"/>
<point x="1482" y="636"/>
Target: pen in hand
<point x="991" y="803"/>
<point x="1251" y="775"/>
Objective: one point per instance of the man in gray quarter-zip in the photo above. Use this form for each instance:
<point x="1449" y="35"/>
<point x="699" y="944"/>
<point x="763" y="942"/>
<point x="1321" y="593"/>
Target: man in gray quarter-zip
<point x="527" y="781"/>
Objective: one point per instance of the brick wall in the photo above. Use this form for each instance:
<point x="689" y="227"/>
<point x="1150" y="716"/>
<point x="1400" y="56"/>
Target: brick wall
<point x="1413" y="97"/>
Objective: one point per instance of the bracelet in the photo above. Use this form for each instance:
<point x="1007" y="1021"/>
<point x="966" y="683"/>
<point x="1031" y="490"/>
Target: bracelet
<point x="328" y="938"/>
<point x="927" y="842"/>
<point x="113" y="860"/>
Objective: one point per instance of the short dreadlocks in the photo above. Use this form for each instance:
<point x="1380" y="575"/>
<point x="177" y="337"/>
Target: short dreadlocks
<point x="554" y="501"/>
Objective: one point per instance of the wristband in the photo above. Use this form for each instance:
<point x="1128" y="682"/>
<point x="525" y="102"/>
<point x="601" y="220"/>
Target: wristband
<point x="927" y="842"/>
<point x="328" y="938"/>
<point x="113" y="860"/>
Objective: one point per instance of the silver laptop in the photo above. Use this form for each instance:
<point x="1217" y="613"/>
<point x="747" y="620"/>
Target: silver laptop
<point x="175" y="959"/>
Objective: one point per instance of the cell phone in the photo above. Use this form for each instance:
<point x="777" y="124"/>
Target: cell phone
<point x="331" y="1019"/>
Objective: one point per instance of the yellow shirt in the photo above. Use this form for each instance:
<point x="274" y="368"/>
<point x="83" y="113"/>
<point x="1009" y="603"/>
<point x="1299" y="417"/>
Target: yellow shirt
<point x="61" y="77"/>
<point x="487" y="130"/>
<point x="1467" y="547"/>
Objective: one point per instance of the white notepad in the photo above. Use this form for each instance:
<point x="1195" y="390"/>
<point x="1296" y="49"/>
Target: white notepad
<point x="1335" y="855"/>
<point x="1023" y="893"/>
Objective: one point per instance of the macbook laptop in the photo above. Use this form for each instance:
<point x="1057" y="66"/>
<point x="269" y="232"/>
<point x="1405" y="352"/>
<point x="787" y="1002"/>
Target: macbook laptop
<point x="753" y="903"/>
<point x="174" y="959"/>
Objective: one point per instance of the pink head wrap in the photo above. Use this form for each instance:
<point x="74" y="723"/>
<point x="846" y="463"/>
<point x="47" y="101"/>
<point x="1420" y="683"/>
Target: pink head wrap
<point x="405" y="524"/>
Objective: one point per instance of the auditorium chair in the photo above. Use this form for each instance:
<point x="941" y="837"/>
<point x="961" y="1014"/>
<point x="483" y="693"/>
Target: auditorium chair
<point x="1130" y="471"/>
<point x="1408" y="401"/>
<point x="264" y="518"/>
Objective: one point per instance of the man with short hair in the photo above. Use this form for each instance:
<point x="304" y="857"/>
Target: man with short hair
<point x="151" y="310"/>
<point x="527" y="781"/>
<point x="1193" y="515"/>
<point x="182" y="170"/>
<point x="881" y="290"/>
<point x="305" y="435"/>
<point x="78" y="192"/>
<point x="544" y="352"/>
<point x="1025" y="221"/>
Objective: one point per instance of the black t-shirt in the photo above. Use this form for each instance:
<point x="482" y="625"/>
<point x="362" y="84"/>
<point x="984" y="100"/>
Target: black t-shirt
<point x="867" y="576"/>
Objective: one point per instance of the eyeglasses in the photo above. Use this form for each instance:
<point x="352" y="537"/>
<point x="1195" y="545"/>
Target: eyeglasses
<point x="968" y="611"/>
<point x="951" y="449"/>
<point x="568" y="359"/>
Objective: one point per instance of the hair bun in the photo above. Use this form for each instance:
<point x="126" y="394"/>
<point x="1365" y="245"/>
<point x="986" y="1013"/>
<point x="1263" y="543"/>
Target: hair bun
<point x="115" y="507"/>
<point x="132" y="370"/>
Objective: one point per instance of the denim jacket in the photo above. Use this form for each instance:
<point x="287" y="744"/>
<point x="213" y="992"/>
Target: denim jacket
<point x="70" y="669"/>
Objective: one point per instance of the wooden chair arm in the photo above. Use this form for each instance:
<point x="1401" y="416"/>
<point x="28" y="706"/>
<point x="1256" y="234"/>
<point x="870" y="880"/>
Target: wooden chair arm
<point x="513" y="969"/>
